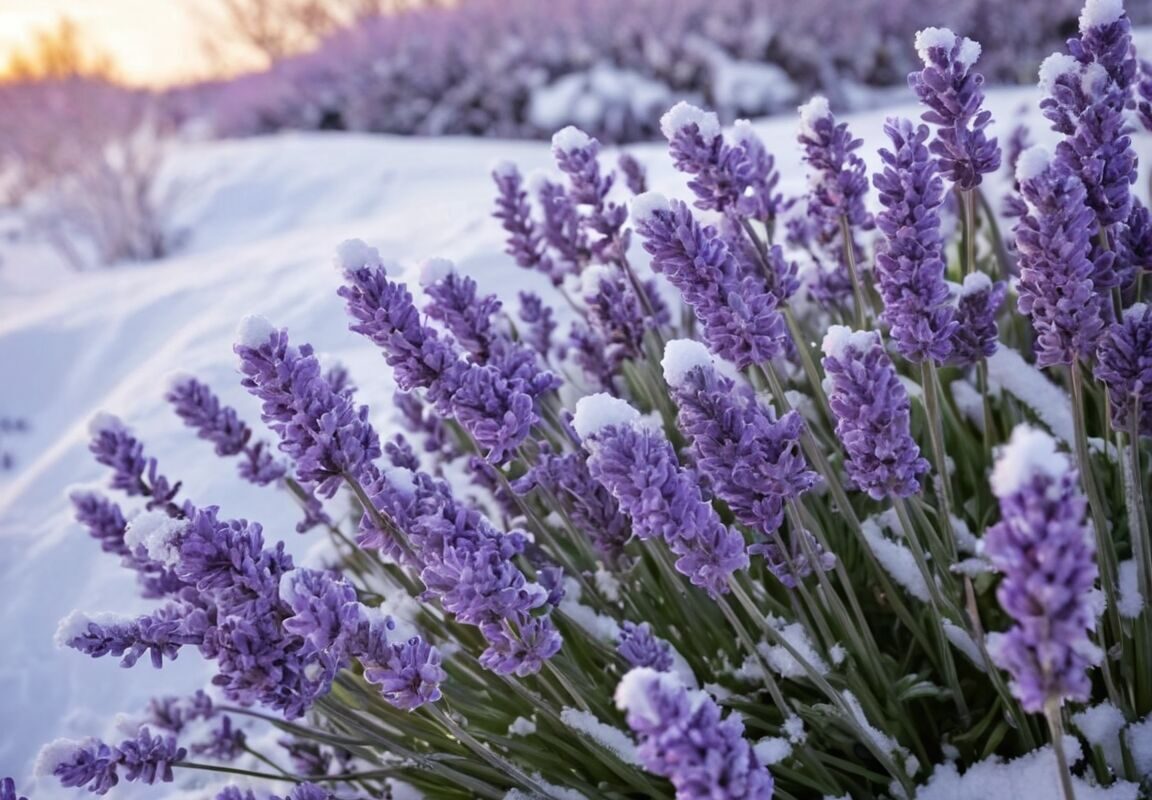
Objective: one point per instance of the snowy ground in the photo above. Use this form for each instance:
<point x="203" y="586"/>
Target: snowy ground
<point x="265" y="215"/>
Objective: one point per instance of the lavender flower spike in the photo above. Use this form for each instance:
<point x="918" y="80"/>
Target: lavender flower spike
<point x="145" y="758"/>
<point x="1125" y="367"/>
<point x="683" y="738"/>
<point x="871" y="408"/>
<point x="8" y="790"/>
<point x="202" y="411"/>
<point x="525" y="241"/>
<point x="737" y="312"/>
<point x="954" y="96"/>
<point x="838" y="178"/>
<point x="753" y="460"/>
<point x="910" y="271"/>
<point x="638" y="466"/>
<point x="978" y="301"/>
<point x="1046" y="552"/>
<point x="1057" y="291"/>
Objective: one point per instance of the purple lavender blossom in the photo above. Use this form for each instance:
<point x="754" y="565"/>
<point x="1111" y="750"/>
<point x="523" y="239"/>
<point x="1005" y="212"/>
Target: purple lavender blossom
<point x="737" y="313"/>
<point x="410" y="676"/>
<point x="615" y="313"/>
<point x="455" y="302"/>
<point x="910" y="271"/>
<point x="1124" y="366"/>
<point x="977" y="304"/>
<point x="838" y="175"/>
<point x="638" y="466"/>
<point x="8" y="790"/>
<point x="173" y="714"/>
<point x="872" y="414"/>
<point x="202" y="411"/>
<point x="497" y="410"/>
<point x="639" y="647"/>
<point x="1144" y="91"/>
<point x="730" y="178"/>
<point x="525" y="242"/>
<point x="683" y="738"/>
<point x="225" y="741"/>
<point x="160" y="634"/>
<point x="1056" y="288"/>
<point x="520" y="652"/>
<point x="635" y="176"/>
<point x="319" y="429"/>
<point x="1046" y="552"/>
<point x="563" y="230"/>
<point x="539" y="321"/>
<point x="1088" y="92"/>
<point x="114" y="446"/>
<point x="752" y="460"/>
<point x="576" y="154"/>
<point x="565" y="479"/>
<point x="96" y="765"/>
<point x="954" y="95"/>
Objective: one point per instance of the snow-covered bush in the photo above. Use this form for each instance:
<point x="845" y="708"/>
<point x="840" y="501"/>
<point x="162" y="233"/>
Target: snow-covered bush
<point x="523" y="67"/>
<point x="743" y="527"/>
<point x="81" y="159"/>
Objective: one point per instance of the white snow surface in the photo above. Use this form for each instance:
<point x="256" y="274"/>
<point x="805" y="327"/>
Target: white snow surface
<point x="1029" y="452"/>
<point x="571" y="138"/>
<point x="644" y="205"/>
<point x="933" y="37"/>
<point x="840" y="337"/>
<point x="265" y="215"/>
<point x="1031" y="775"/>
<point x="1053" y="67"/>
<point x="1032" y="163"/>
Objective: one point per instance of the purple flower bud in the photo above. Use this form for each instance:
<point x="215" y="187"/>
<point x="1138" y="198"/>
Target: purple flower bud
<point x="954" y="95"/>
<point x="114" y="446"/>
<point x="641" y="648"/>
<point x="615" y="313"/>
<point x="202" y="411"/>
<point x="752" y="460"/>
<point x="8" y="790"/>
<point x="1144" y="90"/>
<point x="838" y="176"/>
<point x="324" y="607"/>
<point x="977" y="305"/>
<point x="540" y="323"/>
<point x="639" y="467"/>
<point x="910" y="270"/>
<point x="737" y="313"/>
<point x="496" y="409"/>
<point x="522" y="651"/>
<point x="683" y="739"/>
<point x="1046" y="552"/>
<point x="411" y="675"/>
<point x="872" y="414"/>
<point x="563" y="230"/>
<point x="160" y="634"/>
<point x="525" y="242"/>
<point x="225" y="742"/>
<point x="96" y="765"/>
<point x="320" y="430"/>
<point x="1056" y="288"/>
<point x="1125" y="368"/>
<point x="576" y="155"/>
<point x="635" y="176"/>
<point x="736" y="178"/>
<point x="1088" y="92"/>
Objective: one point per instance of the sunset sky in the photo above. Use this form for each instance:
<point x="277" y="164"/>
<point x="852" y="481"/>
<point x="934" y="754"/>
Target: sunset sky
<point x="152" y="41"/>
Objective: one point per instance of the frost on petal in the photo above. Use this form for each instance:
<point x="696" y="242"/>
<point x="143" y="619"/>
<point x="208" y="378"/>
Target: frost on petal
<point x="435" y="270"/>
<point x="1032" y="163"/>
<point x="353" y="254"/>
<point x="570" y="138"/>
<point x="1098" y="13"/>
<point x="683" y="114"/>
<point x="1054" y="67"/>
<point x="598" y="411"/>
<point x="645" y="205"/>
<point x="931" y="38"/>
<point x="811" y="112"/>
<point x="681" y="356"/>
<point x="254" y="331"/>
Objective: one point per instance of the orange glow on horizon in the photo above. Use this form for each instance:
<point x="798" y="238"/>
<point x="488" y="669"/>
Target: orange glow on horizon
<point x="151" y="42"/>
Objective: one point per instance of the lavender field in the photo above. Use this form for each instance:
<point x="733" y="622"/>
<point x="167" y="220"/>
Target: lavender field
<point x="433" y="415"/>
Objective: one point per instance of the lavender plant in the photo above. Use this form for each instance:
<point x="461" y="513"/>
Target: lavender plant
<point x="683" y="553"/>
